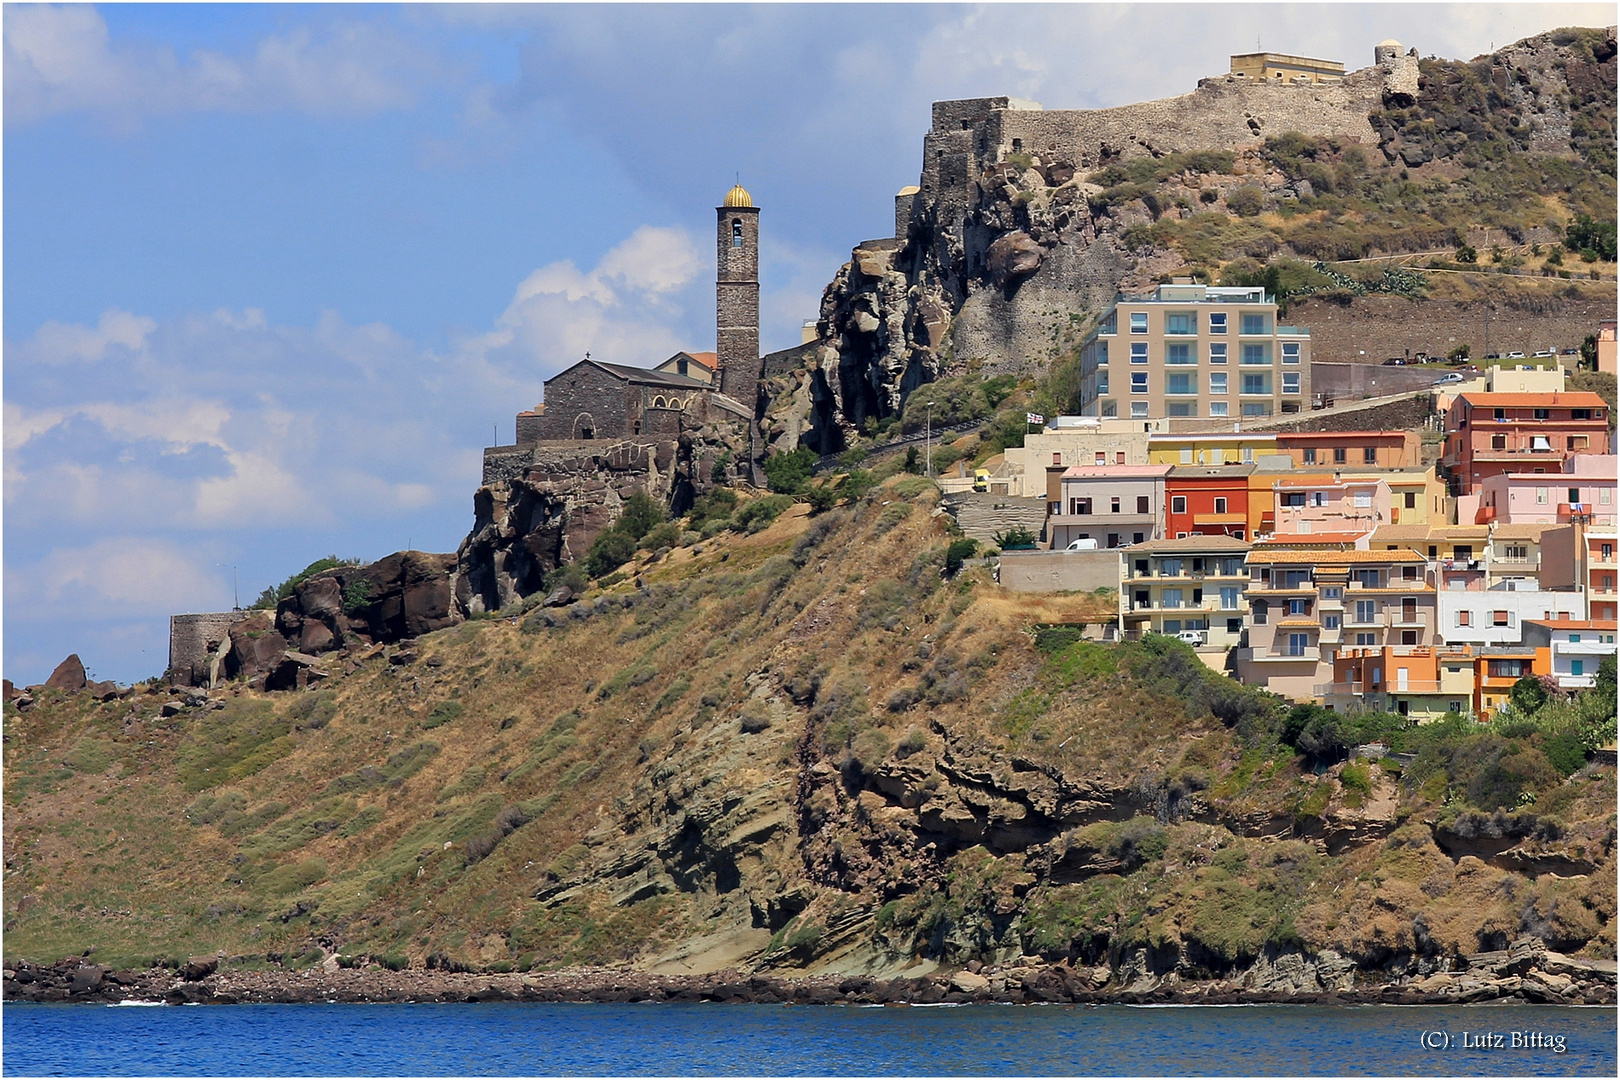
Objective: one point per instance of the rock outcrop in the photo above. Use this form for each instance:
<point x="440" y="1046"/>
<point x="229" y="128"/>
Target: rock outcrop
<point x="1005" y="252"/>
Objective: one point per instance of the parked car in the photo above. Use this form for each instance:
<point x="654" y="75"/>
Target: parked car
<point x="1515" y="355"/>
<point x="1546" y="354"/>
<point x="1395" y="361"/>
<point x="1192" y="637"/>
<point x="1450" y="379"/>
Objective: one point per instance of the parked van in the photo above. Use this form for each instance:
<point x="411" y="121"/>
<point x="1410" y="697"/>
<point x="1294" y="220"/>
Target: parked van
<point x="1085" y="543"/>
<point x="981" y="479"/>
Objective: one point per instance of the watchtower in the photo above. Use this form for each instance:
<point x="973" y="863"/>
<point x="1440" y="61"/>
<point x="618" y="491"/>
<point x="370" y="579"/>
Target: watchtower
<point x="736" y="290"/>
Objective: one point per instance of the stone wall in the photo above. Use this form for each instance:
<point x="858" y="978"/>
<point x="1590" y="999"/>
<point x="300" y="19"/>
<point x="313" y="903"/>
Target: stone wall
<point x="585" y="395"/>
<point x="198" y="644"/>
<point x="1058" y="571"/>
<point x="1404" y="414"/>
<point x="737" y="304"/>
<point x="1348" y="382"/>
<point x="1386" y="326"/>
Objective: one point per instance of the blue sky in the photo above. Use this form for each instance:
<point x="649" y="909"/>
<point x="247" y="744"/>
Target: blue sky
<point x="272" y="272"/>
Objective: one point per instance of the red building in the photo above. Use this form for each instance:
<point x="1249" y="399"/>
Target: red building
<point x="1489" y="434"/>
<point x="1207" y="500"/>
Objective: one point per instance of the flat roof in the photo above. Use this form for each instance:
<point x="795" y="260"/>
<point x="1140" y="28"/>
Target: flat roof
<point x="1575" y="624"/>
<point x="1183" y="472"/>
<point x="1564" y="398"/>
<point x="1103" y="472"/>
<point x="1192" y="543"/>
<point x="1268" y="554"/>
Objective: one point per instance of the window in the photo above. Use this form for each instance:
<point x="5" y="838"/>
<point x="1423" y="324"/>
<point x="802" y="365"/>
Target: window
<point x="1081" y="507"/>
<point x="1217" y="382"/>
<point x="1113" y="505"/>
<point x="1367" y="579"/>
<point x="1181" y="322"/>
<point x="1178" y="504"/>
<point x="1366" y="611"/>
<point x="1363" y="500"/>
<point x="1220" y="504"/>
<point x="1508" y="669"/>
<point x="1310" y="455"/>
<point x="1102" y="383"/>
<point x="1170" y="598"/>
<point x="1109" y="325"/>
<point x="1338" y="455"/>
<point x="1574" y="495"/>
<point x="1260" y="609"/>
<point x="1119" y="457"/>
<point x="1297" y="644"/>
<point x="1179" y="354"/>
<point x="1139" y="409"/>
<point x="1369" y="454"/>
<point x="1217" y="352"/>
<point x="1142" y="505"/>
<point x="1102" y="457"/>
<point x="1605" y="495"/>
<point x="1543" y="414"/>
<point x="1463" y="618"/>
<point x="1499" y="414"/>
<point x="1409" y="573"/>
<point x="736" y="233"/>
<point x="1498" y="442"/>
<point x="1540" y="444"/>
<point x="1248" y="451"/>
<point x="1330" y="622"/>
<point x="1180" y="383"/>
<point x="1606" y="551"/>
<point x="1170" y="567"/>
<point x="1541" y="496"/>
<point x="1410" y="499"/>
<point x="1254" y="324"/>
<point x="1138" y="352"/>
<point x="1102" y="353"/>
<point x="1296" y="607"/>
<point x="1138" y="322"/>
<point x="1229" y="599"/>
<point x="1217" y="325"/>
<point x="1290" y="351"/>
<point x="1139" y="382"/>
<point x="1257" y="384"/>
<point x="1256" y="354"/>
<point x="1333" y="592"/>
<point x="1499" y="618"/>
<point x="1293" y="499"/>
<point x="1575" y="637"/>
<point x="1217" y="408"/>
<point x="1365" y="639"/>
<point x="1136" y="538"/>
<point x="1516" y="553"/>
<point x="1577" y="667"/>
<point x="1290" y="382"/>
<point x="1580" y="414"/>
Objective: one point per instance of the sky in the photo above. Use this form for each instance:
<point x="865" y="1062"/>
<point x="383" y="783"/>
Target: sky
<point x="275" y="275"/>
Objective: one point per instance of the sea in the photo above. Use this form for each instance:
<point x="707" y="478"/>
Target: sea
<point x="498" y="1039"/>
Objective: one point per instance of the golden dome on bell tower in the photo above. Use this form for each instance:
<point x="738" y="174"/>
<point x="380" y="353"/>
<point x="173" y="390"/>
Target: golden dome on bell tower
<point x="738" y="196"/>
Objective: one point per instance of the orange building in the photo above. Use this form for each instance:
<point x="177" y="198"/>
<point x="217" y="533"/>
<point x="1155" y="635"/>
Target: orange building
<point x="1488" y="434"/>
<point x="1421" y="681"/>
<point x="1498" y="667"/>
<point x="1352" y="449"/>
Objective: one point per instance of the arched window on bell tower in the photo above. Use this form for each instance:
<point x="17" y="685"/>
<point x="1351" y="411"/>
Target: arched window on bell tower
<point x="736" y="233"/>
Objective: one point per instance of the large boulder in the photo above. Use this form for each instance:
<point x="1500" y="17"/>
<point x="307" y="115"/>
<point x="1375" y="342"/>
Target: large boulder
<point x="69" y="675"/>
<point x="1013" y="256"/>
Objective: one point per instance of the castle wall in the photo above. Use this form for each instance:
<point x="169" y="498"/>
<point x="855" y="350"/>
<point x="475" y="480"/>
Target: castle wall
<point x="530" y="427"/>
<point x="195" y="644"/>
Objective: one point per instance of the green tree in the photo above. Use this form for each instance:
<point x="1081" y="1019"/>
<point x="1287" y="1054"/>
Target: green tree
<point x="1585" y="234"/>
<point x="1528" y="695"/>
<point x="957" y="553"/>
<point x="788" y="473"/>
<point x="610" y="551"/>
<point x="274" y="594"/>
<point x="1014" y="537"/>
<point x="1246" y="201"/>
<point x="912" y="464"/>
<point x="1466" y="254"/>
<point x="641" y="512"/>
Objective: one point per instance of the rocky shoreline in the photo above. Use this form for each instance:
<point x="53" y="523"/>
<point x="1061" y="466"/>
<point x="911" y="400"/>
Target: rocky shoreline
<point x="1526" y="973"/>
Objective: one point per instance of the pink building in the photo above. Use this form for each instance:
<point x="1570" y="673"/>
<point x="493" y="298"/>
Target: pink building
<point x="1115" y="505"/>
<point x="1330" y="508"/>
<point x="1583" y="491"/>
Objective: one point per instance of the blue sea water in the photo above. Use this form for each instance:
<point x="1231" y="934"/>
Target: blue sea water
<point x="732" y="1040"/>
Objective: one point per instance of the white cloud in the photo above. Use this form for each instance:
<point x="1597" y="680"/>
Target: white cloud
<point x="62" y="59"/>
<point x="130" y="574"/>
<point x="67" y="343"/>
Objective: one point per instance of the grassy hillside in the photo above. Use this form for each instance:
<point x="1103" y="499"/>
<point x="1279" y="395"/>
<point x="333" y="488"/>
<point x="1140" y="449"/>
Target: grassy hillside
<point x="804" y="747"/>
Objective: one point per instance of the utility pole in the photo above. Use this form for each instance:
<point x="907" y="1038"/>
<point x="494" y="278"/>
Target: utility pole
<point x="928" y="444"/>
<point x="236" y="594"/>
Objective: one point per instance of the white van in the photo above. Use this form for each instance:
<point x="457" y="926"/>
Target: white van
<point x="1085" y="543"/>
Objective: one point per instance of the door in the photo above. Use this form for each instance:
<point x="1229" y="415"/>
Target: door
<point x="1400" y="680"/>
<point x="1409" y="609"/>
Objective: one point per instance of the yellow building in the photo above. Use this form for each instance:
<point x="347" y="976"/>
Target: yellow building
<point x="1417" y="496"/>
<point x="1281" y="67"/>
<point x="1210" y="448"/>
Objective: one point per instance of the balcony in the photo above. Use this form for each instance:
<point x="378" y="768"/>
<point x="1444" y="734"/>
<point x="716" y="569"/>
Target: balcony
<point x="1584" y="648"/>
<point x="1282" y="652"/>
<point x="1408" y="619"/>
<point x="1354" y="689"/>
<point x="1576" y="682"/>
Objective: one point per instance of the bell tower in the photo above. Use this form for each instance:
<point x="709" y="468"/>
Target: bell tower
<point x="736" y="288"/>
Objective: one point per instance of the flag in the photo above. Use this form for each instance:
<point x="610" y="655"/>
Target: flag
<point x="1034" y="418"/>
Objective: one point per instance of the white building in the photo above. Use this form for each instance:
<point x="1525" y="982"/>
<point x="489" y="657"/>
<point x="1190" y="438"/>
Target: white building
<point x="1498" y="616"/>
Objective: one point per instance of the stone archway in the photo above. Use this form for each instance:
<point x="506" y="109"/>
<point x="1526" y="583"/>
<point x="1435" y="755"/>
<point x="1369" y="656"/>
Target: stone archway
<point x="584" y="426"/>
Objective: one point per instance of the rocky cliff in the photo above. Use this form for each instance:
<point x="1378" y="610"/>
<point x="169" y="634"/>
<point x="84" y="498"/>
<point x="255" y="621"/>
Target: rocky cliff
<point x="795" y="752"/>
<point x="1025" y="222"/>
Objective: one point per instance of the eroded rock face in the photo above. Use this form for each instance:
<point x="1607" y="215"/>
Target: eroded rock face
<point x="68" y="676"/>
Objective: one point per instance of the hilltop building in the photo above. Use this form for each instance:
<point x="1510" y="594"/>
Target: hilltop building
<point x="1281" y="67"/>
<point x="1192" y="350"/>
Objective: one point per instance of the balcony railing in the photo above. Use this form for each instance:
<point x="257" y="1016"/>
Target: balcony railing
<point x="1283" y="652"/>
<point x="1411" y="686"/>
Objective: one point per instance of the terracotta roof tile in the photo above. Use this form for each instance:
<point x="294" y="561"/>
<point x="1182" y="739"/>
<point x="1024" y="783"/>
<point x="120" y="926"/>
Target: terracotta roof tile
<point x="1568" y="399"/>
<point x="1306" y="555"/>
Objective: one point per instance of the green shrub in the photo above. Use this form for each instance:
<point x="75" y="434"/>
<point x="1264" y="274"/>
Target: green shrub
<point x="1247" y="201"/>
<point x="821" y="498"/>
<point x="274" y="594"/>
<point x="666" y="535"/>
<point x="442" y="713"/>
<point x="356" y="596"/>
<point x="757" y="514"/>
<point x="1014" y="538"/>
<point x="788" y="472"/>
<point x="957" y="552"/>
<point x="609" y="551"/>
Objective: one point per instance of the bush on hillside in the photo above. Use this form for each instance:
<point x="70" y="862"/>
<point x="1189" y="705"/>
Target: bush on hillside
<point x="787" y="473"/>
<point x="274" y="594"/>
